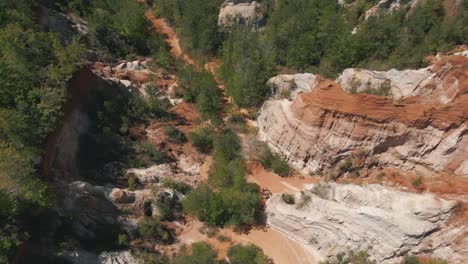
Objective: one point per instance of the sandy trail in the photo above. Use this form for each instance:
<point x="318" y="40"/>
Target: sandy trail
<point x="275" y="183"/>
<point x="161" y="27"/>
<point x="278" y="246"/>
<point x="275" y="244"/>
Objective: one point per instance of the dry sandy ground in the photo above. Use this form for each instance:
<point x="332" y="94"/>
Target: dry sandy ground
<point x="275" y="244"/>
<point x="275" y="183"/>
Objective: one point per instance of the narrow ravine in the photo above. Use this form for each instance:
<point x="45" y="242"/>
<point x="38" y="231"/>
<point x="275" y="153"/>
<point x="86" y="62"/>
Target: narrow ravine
<point x="273" y="242"/>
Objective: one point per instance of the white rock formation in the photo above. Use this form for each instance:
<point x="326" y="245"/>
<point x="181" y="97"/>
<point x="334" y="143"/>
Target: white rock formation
<point x="403" y="83"/>
<point x="235" y="12"/>
<point x="426" y="133"/>
<point x="153" y="174"/>
<point x="117" y="257"/>
<point x="289" y="85"/>
<point x="387" y="223"/>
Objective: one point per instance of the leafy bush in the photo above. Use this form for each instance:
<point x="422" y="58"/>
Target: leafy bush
<point x="150" y="228"/>
<point x="175" y="135"/>
<point x="250" y="254"/>
<point x="200" y="88"/>
<point x="200" y="253"/>
<point x="273" y="161"/>
<point x="202" y="139"/>
<point x="288" y="198"/>
<point x="181" y="187"/>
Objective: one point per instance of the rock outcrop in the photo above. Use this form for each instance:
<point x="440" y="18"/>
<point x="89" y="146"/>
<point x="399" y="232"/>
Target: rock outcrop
<point x="401" y="84"/>
<point x="241" y="12"/>
<point x="425" y="133"/>
<point x="93" y="212"/>
<point x="387" y="223"/>
<point x="84" y="257"/>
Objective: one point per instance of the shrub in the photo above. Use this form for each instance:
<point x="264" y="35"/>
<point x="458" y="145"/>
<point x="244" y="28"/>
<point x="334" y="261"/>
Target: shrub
<point x="288" y="198"/>
<point x="346" y="164"/>
<point x="174" y="134"/>
<point x="132" y="182"/>
<point x="249" y="254"/>
<point x="122" y="240"/>
<point x="273" y="161"/>
<point x="200" y="253"/>
<point x="147" y="152"/>
<point x="304" y="200"/>
<point x="417" y="182"/>
<point x="202" y="139"/>
<point x="181" y="187"/>
<point x="150" y="228"/>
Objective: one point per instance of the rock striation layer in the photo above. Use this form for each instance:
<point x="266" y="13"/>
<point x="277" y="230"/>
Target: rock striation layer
<point x="426" y="132"/>
<point x="386" y="223"/>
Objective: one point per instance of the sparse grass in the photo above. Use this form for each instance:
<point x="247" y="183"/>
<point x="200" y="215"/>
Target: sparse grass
<point x="288" y="198"/>
<point x="321" y="190"/>
<point x="381" y="176"/>
<point x="417" y="182"/>
<point x="304" y="200"/>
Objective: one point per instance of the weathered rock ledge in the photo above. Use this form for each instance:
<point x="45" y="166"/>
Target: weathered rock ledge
<point x="425" y="133"/>
<point x="387" y="223"/>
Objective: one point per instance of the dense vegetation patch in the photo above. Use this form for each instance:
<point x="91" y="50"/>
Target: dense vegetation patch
<point x="228" y="199"/>
<point x="317" y="36"/>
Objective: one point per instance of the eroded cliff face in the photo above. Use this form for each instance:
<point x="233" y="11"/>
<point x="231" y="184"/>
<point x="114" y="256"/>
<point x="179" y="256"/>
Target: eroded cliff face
<point x="425" y="131"/>
<point x="386" y="223"/>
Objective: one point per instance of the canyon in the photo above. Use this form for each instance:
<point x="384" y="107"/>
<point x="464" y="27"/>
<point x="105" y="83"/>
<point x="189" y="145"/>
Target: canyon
<point x="379" y="158"/>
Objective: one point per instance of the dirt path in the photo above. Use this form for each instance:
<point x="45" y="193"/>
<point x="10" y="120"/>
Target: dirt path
<point x="275" y="244"/>
<point x="275" y="183"/>
<point x="161" y="27"/>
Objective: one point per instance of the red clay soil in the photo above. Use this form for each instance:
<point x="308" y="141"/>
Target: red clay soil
<point x="329" y="97"/>
<point x="172" y="39"/>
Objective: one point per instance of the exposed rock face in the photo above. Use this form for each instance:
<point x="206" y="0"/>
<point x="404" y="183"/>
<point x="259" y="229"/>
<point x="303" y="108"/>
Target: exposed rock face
<point x="237" y="12"/>
<point x="402" y="84"/>
<point x="385" y="222"/>
<point x="65" y="26"/>
<point x="62" y="147"/>
<point x="84" y="257"/>
<point x="288" y="86"/>
<point x="93" y="212"/>
<point x="425" y="133"/>
<point x="119" y="257"/>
